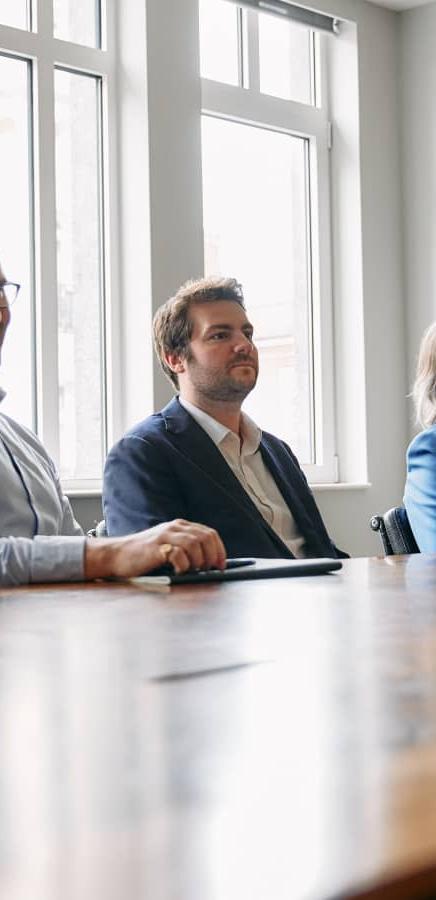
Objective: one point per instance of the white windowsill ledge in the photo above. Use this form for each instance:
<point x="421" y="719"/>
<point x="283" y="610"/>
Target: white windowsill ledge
<point x="341" y="486"/>
<point x="82" y="492"/>
<point x="316" y="488"/>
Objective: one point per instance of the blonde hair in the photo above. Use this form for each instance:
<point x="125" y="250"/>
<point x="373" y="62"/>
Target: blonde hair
<point x="424" y="388"/>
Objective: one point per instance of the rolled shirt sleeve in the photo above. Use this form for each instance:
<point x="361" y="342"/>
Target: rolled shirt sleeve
<point x="43" y="559"/>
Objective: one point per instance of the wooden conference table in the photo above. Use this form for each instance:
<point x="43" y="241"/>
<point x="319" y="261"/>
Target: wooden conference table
<point x="261" y="740"/>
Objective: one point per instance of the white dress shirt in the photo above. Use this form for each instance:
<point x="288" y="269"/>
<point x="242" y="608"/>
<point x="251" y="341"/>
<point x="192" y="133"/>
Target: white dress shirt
<point x="40" y="539"/>
<point x="242" y="454"/>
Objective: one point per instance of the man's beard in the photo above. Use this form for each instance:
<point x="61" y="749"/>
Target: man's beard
<point x="221" y="388"/>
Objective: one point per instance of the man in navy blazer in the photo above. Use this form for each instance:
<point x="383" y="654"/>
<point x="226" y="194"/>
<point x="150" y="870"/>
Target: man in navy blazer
<point x="203" y="459"/>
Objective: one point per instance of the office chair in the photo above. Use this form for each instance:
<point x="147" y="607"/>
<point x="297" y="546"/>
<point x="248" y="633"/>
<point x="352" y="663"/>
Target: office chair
<point x="395" y="532"/>
<point x="98" y="531"/>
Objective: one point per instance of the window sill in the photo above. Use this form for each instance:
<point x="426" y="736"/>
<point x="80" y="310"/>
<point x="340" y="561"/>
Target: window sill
<point x="316" y="488"/>
<point x="341" y="486"/>
<point x="82" y="492"/>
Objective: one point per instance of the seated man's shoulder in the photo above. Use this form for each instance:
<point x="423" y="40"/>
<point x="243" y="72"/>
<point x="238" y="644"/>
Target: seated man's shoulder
<point x="15" y="433"/>
<point x="151" y="431"/>
<point x="152" y="425"/>
<point x="277" y="444"/>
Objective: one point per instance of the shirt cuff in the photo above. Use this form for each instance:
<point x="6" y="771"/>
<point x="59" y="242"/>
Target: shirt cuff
<point x="57" y="559"/>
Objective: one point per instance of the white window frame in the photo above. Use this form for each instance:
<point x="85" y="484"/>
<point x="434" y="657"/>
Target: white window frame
<point x="247" y="105"/>
<point x="153" y="196"/>
<point x="44" y="53"/>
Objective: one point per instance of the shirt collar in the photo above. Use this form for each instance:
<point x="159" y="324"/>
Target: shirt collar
<point x="250" y="432"/>
<point x="214" y="429"/>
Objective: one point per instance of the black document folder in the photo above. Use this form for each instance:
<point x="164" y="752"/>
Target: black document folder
<point x="260" y="568"/>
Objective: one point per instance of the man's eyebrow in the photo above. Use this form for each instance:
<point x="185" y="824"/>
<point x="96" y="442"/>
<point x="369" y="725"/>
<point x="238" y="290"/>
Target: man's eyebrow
<point x="227" y="326"/>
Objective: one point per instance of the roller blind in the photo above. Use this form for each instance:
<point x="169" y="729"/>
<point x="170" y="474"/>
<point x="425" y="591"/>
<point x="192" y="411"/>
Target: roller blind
<point x="317" y="21"/>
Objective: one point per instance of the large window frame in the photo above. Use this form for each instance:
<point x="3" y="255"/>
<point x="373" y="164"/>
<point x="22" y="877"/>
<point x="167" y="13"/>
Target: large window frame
<point x="152" y="102"/>
<point x="45" y="54"/>
<point x="246" y="104"/>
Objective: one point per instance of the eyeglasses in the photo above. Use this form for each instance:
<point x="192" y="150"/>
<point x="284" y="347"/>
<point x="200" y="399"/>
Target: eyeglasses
<point x="9" y="291"/>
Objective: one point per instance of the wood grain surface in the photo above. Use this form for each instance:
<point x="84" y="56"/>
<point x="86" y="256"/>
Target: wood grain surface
<point x="259" y="740"/>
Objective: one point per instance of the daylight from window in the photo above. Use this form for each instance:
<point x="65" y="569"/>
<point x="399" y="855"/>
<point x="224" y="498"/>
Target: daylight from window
<point x="257" y="201"/>
<point x="77" y="21"/>
<point x="255" y="228"/>
<point x="285" y="56"/>
<point x="52" y="232"/>
<point x="78" y="214"/>
<point x="14" y="13"/>
<point x="260" y="216"/>
<point x="15" y="235"/>
<point x="219" y="58"/>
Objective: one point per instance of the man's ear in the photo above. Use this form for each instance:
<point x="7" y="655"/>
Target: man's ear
<point x="175" y="362"/>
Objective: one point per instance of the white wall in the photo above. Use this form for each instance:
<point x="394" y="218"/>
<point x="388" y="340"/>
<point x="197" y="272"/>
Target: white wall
<point x="415" y="206"/>
<point x="418" y="119"/>
<point x="347" y="512"/>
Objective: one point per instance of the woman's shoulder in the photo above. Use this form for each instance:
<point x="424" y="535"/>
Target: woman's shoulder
<point x="425" y="441"/>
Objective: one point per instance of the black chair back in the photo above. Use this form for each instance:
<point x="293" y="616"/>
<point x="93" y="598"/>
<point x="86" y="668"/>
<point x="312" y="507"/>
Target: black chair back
<point x="395" y="532"/>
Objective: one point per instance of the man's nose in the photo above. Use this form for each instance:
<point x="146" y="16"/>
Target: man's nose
<point x="243" y="343"/>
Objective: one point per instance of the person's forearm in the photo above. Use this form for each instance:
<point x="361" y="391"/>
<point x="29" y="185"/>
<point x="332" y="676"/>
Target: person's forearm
<point x="181" y="544"/>
<point x="101" y="556"/>
<point x="43" y="559"/>
<point x="15" y="556"/>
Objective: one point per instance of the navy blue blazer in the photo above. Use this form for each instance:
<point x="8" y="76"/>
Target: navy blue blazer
<point x="420" y="490"/>
<point x="167" y="467"/>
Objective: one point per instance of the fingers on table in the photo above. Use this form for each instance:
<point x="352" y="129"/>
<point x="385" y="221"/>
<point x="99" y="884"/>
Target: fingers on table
<point x="201" y="546"/>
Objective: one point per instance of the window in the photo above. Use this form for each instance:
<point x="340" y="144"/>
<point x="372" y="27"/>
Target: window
<point x="56" y="97"/>
<point x="266" y="216"/>
<point x="16" y="190"/>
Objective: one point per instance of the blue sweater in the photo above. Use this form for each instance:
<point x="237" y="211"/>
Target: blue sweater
<point x="420" y="490"/>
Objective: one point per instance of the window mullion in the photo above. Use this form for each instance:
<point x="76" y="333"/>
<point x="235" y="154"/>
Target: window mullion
<point x="322" y="303"/>
<point x="111" y="324"/>
<point x="44" y="18"/>
<point x="46" y="263"/>
<point x="242" y="48"/>
<point x="252" y="33"/>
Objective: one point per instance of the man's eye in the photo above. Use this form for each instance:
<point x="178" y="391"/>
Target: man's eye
<point x="218" y="336"/>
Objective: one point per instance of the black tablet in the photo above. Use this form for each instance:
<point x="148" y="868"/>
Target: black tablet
<point x="247" y="570"/>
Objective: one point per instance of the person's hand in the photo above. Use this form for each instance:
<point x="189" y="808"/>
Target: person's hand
<point x="184" y="545"/>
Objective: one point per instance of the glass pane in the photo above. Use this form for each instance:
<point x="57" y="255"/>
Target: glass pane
<point x="14" y="13"/>
<point x="255" y="229"/>
<point x="285" y="59"/>
<point x="78" y="201"/>
<point x="77" y="21"/>
<point x="219" y="56"/>
<point x="16" y="374"/>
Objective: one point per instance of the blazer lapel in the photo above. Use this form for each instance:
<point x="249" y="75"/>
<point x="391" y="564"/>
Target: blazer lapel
<point x="193" y="442"/>
<point x="297" y="496"/>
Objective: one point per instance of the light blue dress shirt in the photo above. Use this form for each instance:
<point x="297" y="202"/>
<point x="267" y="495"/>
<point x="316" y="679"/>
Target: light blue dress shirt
<point x="40" y="539"/>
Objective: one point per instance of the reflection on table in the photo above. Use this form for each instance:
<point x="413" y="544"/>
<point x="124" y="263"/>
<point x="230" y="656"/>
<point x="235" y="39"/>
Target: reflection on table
<point x="259" y="740"/>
